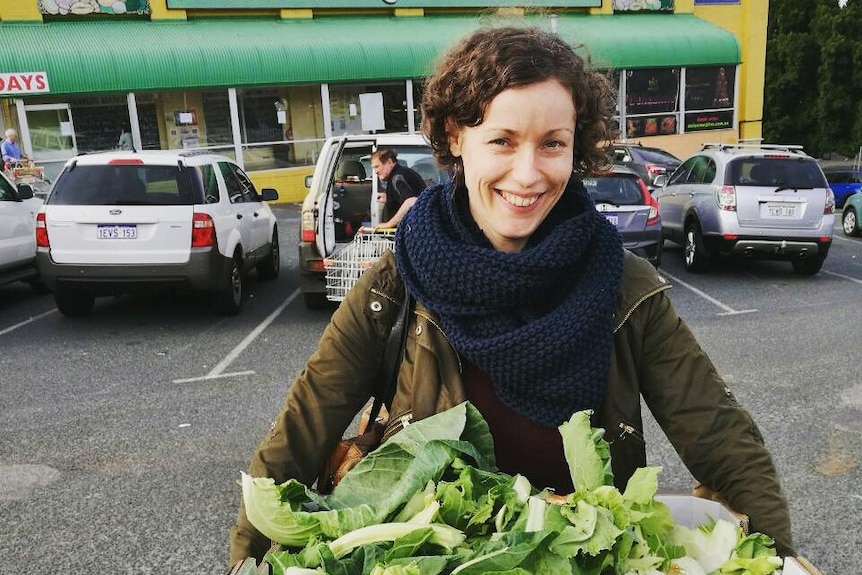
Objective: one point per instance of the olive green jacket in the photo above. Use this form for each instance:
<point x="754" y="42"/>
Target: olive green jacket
<point x="655" y="356"/>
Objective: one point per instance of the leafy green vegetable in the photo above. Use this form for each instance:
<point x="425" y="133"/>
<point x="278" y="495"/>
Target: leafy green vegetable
<point x="431" y="502"/>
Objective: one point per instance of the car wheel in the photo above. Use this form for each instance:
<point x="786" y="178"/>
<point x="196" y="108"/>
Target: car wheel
<point x="694" y="251"/>
<point x="39" y="287"/>
<point x="808" y="266"/>
<point x="850" y="222"/>
<point x="315" y="300"/>
<point x="268" y="269"/>
<point x="228" y="299"/>
<point x="73" y="302"/>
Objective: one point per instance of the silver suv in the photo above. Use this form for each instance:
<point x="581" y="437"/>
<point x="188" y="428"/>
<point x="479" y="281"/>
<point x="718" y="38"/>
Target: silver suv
<point x="751" y="200"/>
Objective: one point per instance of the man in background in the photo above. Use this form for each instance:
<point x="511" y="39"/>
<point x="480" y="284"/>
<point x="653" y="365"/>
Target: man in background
<point x="403" y="185"/>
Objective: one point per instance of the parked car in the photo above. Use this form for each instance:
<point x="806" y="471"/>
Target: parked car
<point x="844" y="182"/>
<point x="342" y="197"/>
<point x="18" y="208"/>
<point x="749" y="200"/>
<point x="622" y="196"/>
<point x="850" y="219"/>
<point x="647" y="162"/>
<point x="120" y="222"/>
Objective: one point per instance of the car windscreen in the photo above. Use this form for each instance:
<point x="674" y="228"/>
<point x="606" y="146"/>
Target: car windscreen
<point x="617" y="189"/>
<point x="124" y="184"/>
<point x="771" y="171"/>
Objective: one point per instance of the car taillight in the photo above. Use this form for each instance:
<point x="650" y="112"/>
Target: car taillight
<point x="203" y="231"/>
<point x="654" y="169"/>
<point x="829" y="208"/>
<point x="307" y="233"/>
<point x="725" y="197"/>
<point x="42" y="232"/>
<point x="650" y="201"/>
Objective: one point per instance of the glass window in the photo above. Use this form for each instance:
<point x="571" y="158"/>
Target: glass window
<point x="108" y="185"/>
<point x="347" y="114"/>
<point x="184" y="120"/>
<point x="97" y="120"/>
<point x="249" y="193"/>
<point x="709" y="88"/>
<point x="702" y="171"/>
<point x="209" y="183"/>
<point x="235" y="189"/>
<point x="7" y="191"/>
<point x="652" y="102"/>
<point x="280" y="126"/>
<point x="681" y="174"/>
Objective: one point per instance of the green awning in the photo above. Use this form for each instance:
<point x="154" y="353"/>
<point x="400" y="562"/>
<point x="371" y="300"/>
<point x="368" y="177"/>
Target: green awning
<point x="122" y="56"/>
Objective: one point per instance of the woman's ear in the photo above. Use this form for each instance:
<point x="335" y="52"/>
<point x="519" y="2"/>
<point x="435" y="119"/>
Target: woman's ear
<point x="454" y="134"/>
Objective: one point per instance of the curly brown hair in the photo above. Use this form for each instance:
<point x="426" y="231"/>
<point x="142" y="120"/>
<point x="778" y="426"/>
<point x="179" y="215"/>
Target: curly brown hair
<point x="491" y="60"/>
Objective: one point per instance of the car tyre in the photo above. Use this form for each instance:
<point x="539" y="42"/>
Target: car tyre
<point x="808" y="266"/>
<point x="315" y="300"/>
<point x="228" y="299"/>
<point x="694" y="250"/>
<point x="73" y="302"/>
<point x="850" y="222"/>
<point x="268" y="269"/>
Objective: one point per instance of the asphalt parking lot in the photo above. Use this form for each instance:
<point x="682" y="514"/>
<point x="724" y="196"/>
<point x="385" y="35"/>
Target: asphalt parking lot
<point x="124" y="432"/>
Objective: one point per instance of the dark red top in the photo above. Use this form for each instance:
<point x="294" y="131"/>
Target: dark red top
<point x="520" y="445"/>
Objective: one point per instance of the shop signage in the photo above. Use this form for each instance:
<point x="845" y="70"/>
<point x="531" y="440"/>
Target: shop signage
<point x="84" y="7"/>
<point x="643" y="5"/>
<point x="23" y="83"/>
<point x="717" y="1"/>
<point x="699" y="121"/>
<point x="287" y="4"/>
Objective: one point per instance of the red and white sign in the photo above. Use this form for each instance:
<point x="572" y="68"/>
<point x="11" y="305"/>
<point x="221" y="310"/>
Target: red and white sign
<point x="23" y="83"/>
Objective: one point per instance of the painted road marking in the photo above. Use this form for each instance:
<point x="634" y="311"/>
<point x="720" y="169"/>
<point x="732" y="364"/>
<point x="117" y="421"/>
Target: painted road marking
<point x="26" y="321"/>
<point x="727" y="309"/>
<point x="218" y="370"/>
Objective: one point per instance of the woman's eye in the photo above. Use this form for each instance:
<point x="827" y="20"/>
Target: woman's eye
<point x="554" y="144"/>
<point x="499" y="142"/>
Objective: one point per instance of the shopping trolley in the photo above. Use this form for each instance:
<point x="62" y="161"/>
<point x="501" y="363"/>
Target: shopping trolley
<point x="344" y="267"/>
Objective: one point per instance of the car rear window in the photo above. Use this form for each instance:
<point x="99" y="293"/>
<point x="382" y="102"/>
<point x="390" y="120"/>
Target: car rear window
<point x="773" y="172"/>
<point x="126" y="184"/>
<point x="621" y="190"/>
<point x="658" y="157"/>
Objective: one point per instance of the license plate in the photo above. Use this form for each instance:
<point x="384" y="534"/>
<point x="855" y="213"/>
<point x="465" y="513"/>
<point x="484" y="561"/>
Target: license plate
<point x="613" y="218"/>
<point x="117" y="232"/>
<point x="781" y="211"/>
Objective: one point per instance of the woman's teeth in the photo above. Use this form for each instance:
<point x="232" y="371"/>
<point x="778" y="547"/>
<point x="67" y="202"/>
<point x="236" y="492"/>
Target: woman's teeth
<point x="519" y="201"/>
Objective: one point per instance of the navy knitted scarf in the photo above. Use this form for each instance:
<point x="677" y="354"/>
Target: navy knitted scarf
<point x="538" y="322"/>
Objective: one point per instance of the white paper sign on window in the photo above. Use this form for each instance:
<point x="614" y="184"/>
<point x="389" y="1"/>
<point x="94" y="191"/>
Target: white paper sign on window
<point x="371" y="106"/>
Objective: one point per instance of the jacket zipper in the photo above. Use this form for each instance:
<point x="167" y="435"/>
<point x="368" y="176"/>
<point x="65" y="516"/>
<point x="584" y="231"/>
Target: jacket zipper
<point x="626" y="430"/>
<point x="402" y="422"/>
<point x="642" y="299"/>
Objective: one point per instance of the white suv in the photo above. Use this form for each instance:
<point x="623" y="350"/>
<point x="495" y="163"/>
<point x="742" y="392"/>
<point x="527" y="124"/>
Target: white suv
<point x="119" y="222"/>
<point x="342" y="197"/>
<point x="18" y="210"/>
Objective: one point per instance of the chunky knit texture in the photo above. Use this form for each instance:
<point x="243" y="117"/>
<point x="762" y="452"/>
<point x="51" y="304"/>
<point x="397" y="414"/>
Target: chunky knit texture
<point x="538" y="322"/>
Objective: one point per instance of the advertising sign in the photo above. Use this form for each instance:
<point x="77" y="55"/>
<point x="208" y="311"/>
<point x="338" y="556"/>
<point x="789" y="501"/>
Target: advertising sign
<point x="23" y="83"/>
<point x="699" y="121"/>
<point x="643" y="5"/>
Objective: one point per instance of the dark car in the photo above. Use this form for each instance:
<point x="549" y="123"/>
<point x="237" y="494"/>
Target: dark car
<point x="844" y="182"/>
<point x="622" y="196"/>
<point x="645" y="161"/>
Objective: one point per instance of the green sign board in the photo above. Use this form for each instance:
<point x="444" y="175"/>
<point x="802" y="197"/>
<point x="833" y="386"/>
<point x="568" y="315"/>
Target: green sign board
<point x="643" y="5"/>
<point x="286" y="4"/>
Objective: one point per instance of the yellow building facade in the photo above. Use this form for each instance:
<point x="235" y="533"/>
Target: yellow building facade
<point x="267" y="81"/>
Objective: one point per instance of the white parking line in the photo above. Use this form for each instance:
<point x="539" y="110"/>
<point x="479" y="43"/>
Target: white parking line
<point x="842" y="276"/>
<point x="218" y="370"/>
<point x="26" y="321"/>
<point x="727" y="309"/>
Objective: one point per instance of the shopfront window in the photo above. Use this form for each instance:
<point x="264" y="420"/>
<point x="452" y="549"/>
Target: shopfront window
<point x="281" y="127"/>
<point x="652" y="102"/>
<point x="709" y="97"/>
<point x="180" y="120"/>
<point x="97" y="120"/>
<point x="385" y="108"/>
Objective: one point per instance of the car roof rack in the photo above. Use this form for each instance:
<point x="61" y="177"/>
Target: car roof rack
<point x="752" y="145"/>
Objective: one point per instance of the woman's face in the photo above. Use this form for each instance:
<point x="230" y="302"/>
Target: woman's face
<point x="518" y="161"/>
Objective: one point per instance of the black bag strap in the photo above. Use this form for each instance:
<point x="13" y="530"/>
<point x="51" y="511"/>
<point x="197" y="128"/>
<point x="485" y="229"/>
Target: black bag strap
<point x="388" y="379"/>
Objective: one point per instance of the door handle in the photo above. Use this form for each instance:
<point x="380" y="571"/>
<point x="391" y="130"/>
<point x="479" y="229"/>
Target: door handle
<point x="239" y="216"/>
<point x="255" y="214"/>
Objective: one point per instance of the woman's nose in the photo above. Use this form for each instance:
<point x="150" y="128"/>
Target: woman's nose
<point x="525" y="167"/>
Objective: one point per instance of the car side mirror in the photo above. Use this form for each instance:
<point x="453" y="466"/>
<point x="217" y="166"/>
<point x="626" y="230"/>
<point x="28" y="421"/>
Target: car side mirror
<point x="269" y="194"/>
<point x="660" y="181"/>
<point x="25" y="191"/>
<point x="308" y="181"/>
